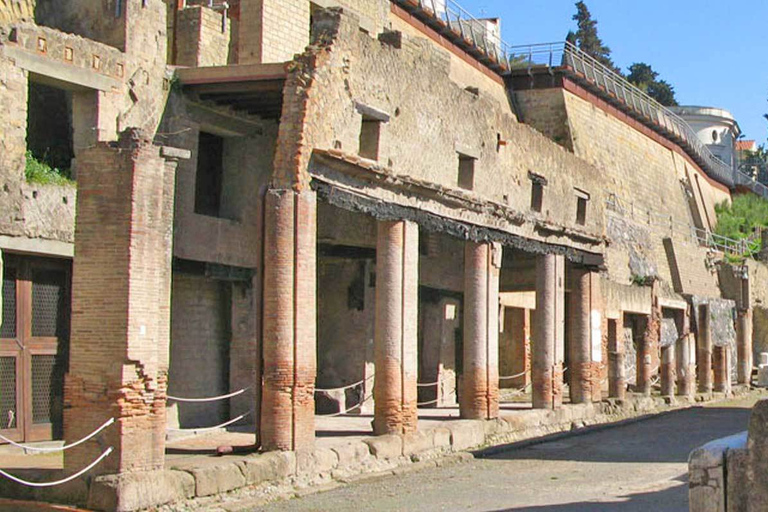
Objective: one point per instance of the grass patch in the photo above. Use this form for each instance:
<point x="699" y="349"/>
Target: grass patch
<point x="739" y="220"/>
<point x="40" y="173"/>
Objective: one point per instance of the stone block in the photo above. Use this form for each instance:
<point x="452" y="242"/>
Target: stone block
<point x="315" y="462"/>
<point x="140" y="490"/>
<point x="216" y="479"/>
<point x="703" y="499"/>
<point x="269" y="467"/>
<point x="466" y="434"/>
<point x="352" y="455"/>
<point x="737" y="487"/>
<point x="415" y="443"/>
<point x="385" y="447"/>
<point x="441" y="438"/>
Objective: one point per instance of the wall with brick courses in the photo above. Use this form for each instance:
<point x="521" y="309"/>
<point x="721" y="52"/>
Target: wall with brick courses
<point x="272" y="30"/>
<point x="200" y="40"/>
<point x="422" y="139"/>
<point x="200" y="342"/>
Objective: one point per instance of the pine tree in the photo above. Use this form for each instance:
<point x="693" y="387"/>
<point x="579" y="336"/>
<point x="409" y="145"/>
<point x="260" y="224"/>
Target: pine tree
<point x="586" y="38"/>
<point x="645" y="78"/>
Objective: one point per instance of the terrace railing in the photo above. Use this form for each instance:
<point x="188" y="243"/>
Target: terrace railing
<point x="596" y="74"/>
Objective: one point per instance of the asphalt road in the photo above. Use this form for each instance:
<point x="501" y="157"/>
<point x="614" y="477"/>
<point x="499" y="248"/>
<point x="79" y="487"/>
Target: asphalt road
<point x="640" y="467"/>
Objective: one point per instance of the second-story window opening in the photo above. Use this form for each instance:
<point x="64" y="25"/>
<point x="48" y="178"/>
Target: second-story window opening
<point x="537" y="191"/>
<point x="210" y="174"/>
<point x="466" y="172"/>
<point x="582" y="199"/>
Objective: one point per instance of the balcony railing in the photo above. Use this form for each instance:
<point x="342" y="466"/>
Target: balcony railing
<point x="589" y="70"/>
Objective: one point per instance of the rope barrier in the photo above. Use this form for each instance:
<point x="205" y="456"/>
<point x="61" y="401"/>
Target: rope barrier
<point x="62" y="448"/>
<point x="208" y="399"/>
<point x="62" y="481"/>
<point x="419" y="404"/>
<point x="206" y="429"/>
<point x="510" y="377"/>
<point x="350" y="386"/>
<point x="348" y="410"/>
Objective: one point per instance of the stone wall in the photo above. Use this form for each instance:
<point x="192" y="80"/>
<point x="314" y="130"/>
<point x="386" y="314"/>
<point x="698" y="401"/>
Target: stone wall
<point x="200" y="349"/>
<point x="423" y="140"/>
<point x="16" y="10"/>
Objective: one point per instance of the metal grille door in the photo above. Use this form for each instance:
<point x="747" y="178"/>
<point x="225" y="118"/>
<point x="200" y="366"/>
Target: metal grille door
<point x="34" y="340"/>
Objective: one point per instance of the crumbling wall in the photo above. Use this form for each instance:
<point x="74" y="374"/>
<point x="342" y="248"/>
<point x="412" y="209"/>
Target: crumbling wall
<point x="16" y="10"/>
<point x="423" y="139"/>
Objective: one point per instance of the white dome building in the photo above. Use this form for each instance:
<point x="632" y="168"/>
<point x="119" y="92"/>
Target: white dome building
<point x="715" y="127"/>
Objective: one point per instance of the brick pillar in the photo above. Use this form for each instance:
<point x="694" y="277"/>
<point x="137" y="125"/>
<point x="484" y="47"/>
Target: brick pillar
<point x="272" y="30"/>
<point x="289" y="325"/>
<point x="580" y="346"/>
<point x="120" y="334"/>
<point x="704" y="351"/>
<point x="686" y="369"/>
<point x="547" y="367"/>
<point x="396" y="325"/>
<point x="645" y="359"/>
<point x="744" y="346"/>
<point x="479" y="397"/>
<point x="721" y="368"/>
<point x="617" y="379"/>
<point x="667" y="369"/>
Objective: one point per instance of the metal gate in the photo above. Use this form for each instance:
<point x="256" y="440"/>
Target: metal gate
<point x="34" y="339"/>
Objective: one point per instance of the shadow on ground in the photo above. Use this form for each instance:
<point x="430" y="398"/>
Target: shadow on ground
<point x="649" y="501"/>
<point x="676" y="434"/>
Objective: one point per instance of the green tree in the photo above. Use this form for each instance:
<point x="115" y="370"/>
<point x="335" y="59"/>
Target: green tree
<point x="586" y="39"/>
<point x="645" y="78"/>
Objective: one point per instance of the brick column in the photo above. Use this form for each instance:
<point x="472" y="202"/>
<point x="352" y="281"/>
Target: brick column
<point x="120" y="335"/>
<point x="667" y="369"/>
<point x="617" y="379"/>
<point x="547" y="367"/>
<point x="721" y="366"/>
<point x="744" y="346"/>
<point x="580" y="346"/>
<point x="686" y="369"/>
<point x="479" y="397"/>
<point x="704" y="351"/>
<point x="289" y="325"/>
<point x="396" y="326"/>
<point x="645" y="359"/>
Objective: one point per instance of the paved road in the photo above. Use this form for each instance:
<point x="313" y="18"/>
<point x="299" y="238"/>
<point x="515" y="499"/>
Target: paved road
<point x="640" y="467"/>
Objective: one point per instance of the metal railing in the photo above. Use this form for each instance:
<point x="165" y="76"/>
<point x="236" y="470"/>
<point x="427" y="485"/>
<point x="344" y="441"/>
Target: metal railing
<point x="449" y="17"/>
<point x="597" y="74"/>
<point x="647" y="216"/>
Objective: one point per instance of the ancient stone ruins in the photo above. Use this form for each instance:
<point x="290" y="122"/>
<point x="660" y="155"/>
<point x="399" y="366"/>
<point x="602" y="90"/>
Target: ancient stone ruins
<point x="349" y="234"/>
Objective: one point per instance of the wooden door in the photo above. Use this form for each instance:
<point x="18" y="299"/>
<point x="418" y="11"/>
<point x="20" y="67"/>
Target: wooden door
<point x="33" y="347"/>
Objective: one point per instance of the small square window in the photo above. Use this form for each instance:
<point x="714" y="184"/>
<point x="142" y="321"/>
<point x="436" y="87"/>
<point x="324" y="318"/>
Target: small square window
<point x="537" y="195"/>
<point x="466" y="172"/>
<point x="537" y="191"/>
<point x="582" y="198"/>
<point x="210" y="174"/>
<point x="370" y="134"/>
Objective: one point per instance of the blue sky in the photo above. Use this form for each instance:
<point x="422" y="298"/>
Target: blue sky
<point x="713" y="52"/>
